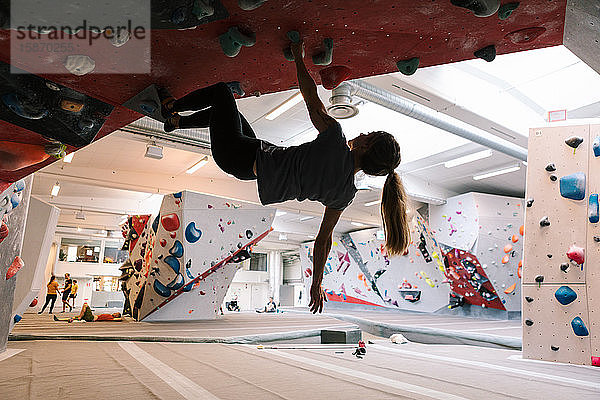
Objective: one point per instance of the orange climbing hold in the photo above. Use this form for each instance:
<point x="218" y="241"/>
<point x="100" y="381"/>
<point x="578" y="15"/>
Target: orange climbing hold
<point x="520" y="270"/>
<point x="522" y="230"/>
<point x="515" y="239"/>
<point x="505" y="259"/>
<point x="508" y="248"/>
<point x="511" y="288"/>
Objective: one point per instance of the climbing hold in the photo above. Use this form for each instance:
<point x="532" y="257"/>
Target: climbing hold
<point x="481" y="8"/>
<point x="593" y="208"/>
<point x="408" y="66"/>
<point x="24" y="109"/>
<point x="85" y="124"/>
<point x="506" y="10"/>
<point x="120" y="37"/>
<point x="161" y="289"/>
<point x="597" y="239"/>
<point x="576" y="254"/>
<point x="505" y="259"/>
<point x="525" y="35"/>
<point x="528" y="322"/>
<point x="529" y="299"/>
<point x="574" y="141"/>
<point x="550" y="167"/>
<point x="149" y="106"/>
<point x="249" y="234"/>
<point x="177" y="283"/>
<point x="539" y="278"/>
<point x="233" y="40"/>
<point x="202" y="9"/>
<point x="332" y="77"/>
<point x="564" y="267"/>
<point x="79" y="64"/>
<point x="173" y="263"/>
<point x="554" y="348"/>
<point x="549" y="255"/>
<point x="565" y="295"/>
<point x="236" y="88"/>
<point x="326" y="56"/>
<point x="177" y="249"/>
<point x="16" y="265"/>
<point x="188" y="287"/>
<point x="248" y="5"/>
<point x="170" y="222"/>
<point x="511" y="288"/>
<point x="520" y="269"/>
<point x="596" y="146"/>
<point x="155" y="223"/>
<point x="529" y="202"/>
<point x="508" y="248"/>
<point x="573" y="186"/>
<point x="138" y="264"/>
<point x="579" y="327"/>
<point x="553" y="178"/>
<point x="522" y="230"/>
<point x="544" y="222"/>
<point x="192" y="234"/>
<point x="33" y="302"/>
<point x="488" y="53"/>
<point x="178" y="16"/>
<point x="293" y="36"/>
<point x="71" y="105"/>
<point x="17" y="318"/>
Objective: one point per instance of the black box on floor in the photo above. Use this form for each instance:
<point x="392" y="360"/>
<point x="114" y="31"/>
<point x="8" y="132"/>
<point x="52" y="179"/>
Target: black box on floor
<point x="347" y="336"/>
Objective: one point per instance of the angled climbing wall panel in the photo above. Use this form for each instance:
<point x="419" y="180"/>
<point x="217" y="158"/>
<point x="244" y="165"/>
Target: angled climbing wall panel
<point x="560" y="272"/>
<point x="185" y="257"/>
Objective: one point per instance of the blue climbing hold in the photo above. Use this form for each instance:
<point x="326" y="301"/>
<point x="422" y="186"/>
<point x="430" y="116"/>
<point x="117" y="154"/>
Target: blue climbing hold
<point x="155" y="223"/>
<point x="19" y="186"/>
<point x="177" y="195"/>
<point x="188" y="273"/>
<point x="161" y="289"/>
<point x="573" y="186"/>
<point x="15" y="200"/>
<point x="178" y="16"/>
<point x="565" y="295"/>
<point x="192" y="234"/>
<point x="177" y="283"/>
<point x="593" y="209"/>
<point x="17" y="318"/>
<point x="596" y="146"/>
<point x="177" y="249"/>
<point x="173" y="263"/>
<point x="149" y="106"/>
<point x="188" y="287"/>
<point x="579" y="327"/>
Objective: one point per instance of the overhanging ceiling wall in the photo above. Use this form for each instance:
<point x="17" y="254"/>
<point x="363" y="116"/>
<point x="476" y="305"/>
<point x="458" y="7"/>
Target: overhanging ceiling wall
<point x="369" y="37"/>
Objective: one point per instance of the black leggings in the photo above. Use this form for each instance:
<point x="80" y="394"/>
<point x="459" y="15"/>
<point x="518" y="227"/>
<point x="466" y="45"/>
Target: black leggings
<point x="232" y="140"/>
<point x="48" y="298"/>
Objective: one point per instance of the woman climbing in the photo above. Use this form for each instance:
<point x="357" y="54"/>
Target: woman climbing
<point x="322" y="170"/>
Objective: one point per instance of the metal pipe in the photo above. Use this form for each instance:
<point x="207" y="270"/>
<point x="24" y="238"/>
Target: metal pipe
<point x="431" y="117"/>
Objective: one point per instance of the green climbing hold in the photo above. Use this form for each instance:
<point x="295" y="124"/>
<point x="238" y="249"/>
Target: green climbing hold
<point x="233" y="40"/>
<point x="202" y="9"/>
<point x="326" y="56"/>
<point x="294" y="36"/>
<point x="248" y="5"/>
<point x="488" y="53"/>
<point x="409" y="66"/>
<point x="506" y="10"/>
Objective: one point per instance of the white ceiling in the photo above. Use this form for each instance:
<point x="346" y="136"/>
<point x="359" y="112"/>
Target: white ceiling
<point x="111" y="177"/>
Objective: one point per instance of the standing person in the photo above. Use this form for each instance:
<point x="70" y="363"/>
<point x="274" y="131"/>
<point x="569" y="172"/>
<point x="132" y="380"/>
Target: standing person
<point x="67" y="292"/>
<point x="51" y="294"/>
<point x="322" y="170"/>
<point x="74" y="290"/>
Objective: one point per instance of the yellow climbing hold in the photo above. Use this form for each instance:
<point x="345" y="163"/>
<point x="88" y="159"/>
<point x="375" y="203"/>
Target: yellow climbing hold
<point x="511" y="288"/>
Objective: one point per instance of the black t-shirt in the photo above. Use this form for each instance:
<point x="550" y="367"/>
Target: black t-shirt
<point x="321" y="170"/>
<point x="68" y="285"/>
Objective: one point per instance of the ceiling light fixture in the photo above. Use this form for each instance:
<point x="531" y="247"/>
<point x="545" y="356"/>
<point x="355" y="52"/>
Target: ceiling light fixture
<point x="468" y="158"/>
<point x="283" y="107"/>
<point x="305" y="218"/>
<point x="497" y="172"/>
<point x="203" y="161"/>
<point x="80" y="214"/>
<point x="69" y="157"/>
<point x="357" y="223"/>
<point x="154" y="151"/>
<point x="55" y="189"/>
<point x="372" y="203"/>
<point x="282" y="236"/>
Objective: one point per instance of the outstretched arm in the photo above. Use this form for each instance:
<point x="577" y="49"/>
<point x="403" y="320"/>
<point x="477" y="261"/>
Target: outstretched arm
<point x="320" y="252"/>
<point x="316" y="110"/>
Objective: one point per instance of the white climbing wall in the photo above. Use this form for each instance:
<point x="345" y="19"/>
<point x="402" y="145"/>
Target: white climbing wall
<point x="186" y="257"/>
<point x="488" y="227"/>
<point x="547" y="331"/>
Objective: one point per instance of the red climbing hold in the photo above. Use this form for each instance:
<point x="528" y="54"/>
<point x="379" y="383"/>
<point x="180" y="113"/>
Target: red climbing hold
<point x="3" y="231"/>
<point x="163" y="242"/>
<point x="525" y="35"/>
<point x="331" y="77"/>
<point x="16" y="265"/>
<point x="33" y="302"/>
<point x="576" y="254"/>
<point x="596" y="361"/>
<point x="170" y="222"/>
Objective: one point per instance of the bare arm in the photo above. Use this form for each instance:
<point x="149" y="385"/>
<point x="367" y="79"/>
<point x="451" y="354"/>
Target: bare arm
<point x="316" y="110"/>
<point x="321" y="250"/>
